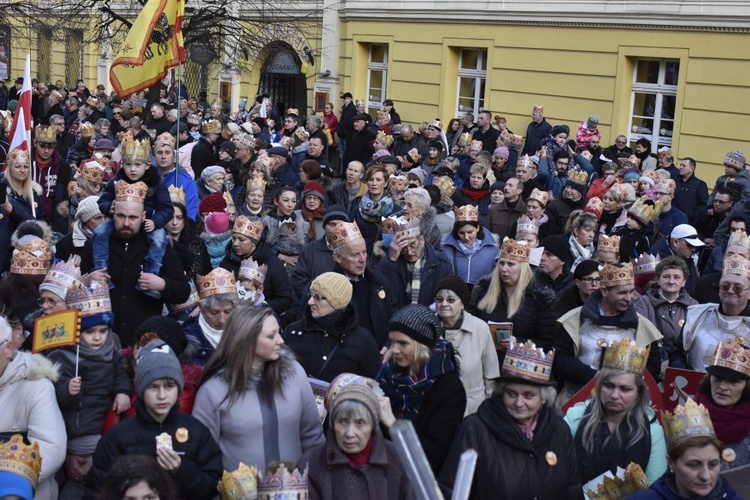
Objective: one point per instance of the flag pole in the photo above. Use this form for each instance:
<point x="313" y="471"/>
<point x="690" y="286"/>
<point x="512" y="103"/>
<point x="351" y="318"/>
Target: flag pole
<point x="32" y="151"/>
<point x="177" y="144"/>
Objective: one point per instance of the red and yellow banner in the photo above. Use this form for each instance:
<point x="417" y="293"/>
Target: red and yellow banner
<point x="56" y="330"/>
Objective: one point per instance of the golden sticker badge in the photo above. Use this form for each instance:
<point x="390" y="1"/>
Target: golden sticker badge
<point x="728" y="455"/>
<point x="381" y="294"/>
<point x="181" y="435"/>
<point x="551" y="458"/>
<point x="681" y="323"/>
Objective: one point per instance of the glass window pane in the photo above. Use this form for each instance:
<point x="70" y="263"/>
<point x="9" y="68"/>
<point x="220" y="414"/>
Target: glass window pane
<point x="667" y="106"/>
<point x="378" y="53"/>
<point x="647" y="71"/>
<point x="466" y="88"/>
<point x="672" y="72"/>
<point x="644" y="104"/>
<point x="642" y="125"/>
<point x="666" y="129"/>
<point x="469" y="58"/>
<point x="484" y="60"/>
<point x="465" y="104"/>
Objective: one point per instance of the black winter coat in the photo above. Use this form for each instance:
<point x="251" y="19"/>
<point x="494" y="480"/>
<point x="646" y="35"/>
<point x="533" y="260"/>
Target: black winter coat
<point x="315" y="259"/>
<point x="436" y="265"/>
<point x="203" y="155"/>
<point x="535" y="134"/>
<point x="359" y="144"/>
<point x="509" y="465"/>
<point x="376" y="300"/>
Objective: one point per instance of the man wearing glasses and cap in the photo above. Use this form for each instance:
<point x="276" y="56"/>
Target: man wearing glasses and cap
<point x="684" y="242"/>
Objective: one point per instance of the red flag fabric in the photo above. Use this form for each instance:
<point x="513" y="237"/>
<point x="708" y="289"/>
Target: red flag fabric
<point x="20" y="131"/>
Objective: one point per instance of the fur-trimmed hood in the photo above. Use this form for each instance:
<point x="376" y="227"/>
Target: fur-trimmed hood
<point x="27" y="366"/>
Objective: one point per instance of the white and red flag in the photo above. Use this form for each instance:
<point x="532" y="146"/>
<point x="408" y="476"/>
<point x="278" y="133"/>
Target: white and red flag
<point x="20" y="131"/>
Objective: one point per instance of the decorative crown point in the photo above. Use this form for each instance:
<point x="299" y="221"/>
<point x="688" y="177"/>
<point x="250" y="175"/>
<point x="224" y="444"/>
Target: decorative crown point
<point x="737" y="265"/>
<point x="31" y="258"/>
<point x="250" y="270"/>
<point x="177" y="195"/>
<point x="515" y="250"/>
<point x="45" y="134"/>
<point x="21" y="459"/>
<point x="242" y="484"/>
<point x="218" y="281"/>
<point x="466" y="213"/>
<point x="609" y="243"/>
<point x="541" y="196"/>
<point x="86" y="130"/>
<point x="248" y="228"/>
<point x="398" y="183"/>
<point x="256" y="184"/>
<point x="446" y="185"/>
<point x="344" y="233"/>
<point x="617" y="275"/>
<point x="133" y="150"/>
<point x="165" y="139"/>
<point x="465" y="139"/>
<point x="18" y="157"/>
<point x="688" y="420"/>
<point x="646" y="263"/>
<point x="645" y="210"/>
<point x="733" y="354"/>
<point x="528" y="362"/>
<point x="624" y="483"/>
<point x="739" y="238"/>
<point x="384" y="138"/>
<point x="91" y="298"/>
<point x="625" y="355"/>
<point x="578" y="176"/>
<point x="283" y="484"/>
<point x="527" y="225"/>
<point x="136" y="192"/>
<point x="92" y="171"/>
<point x="526" y="161"/>
<point x="211" y="127"/>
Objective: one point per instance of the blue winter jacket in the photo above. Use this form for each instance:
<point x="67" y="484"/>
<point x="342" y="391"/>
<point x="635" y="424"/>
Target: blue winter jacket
<point x="472" y="267"/>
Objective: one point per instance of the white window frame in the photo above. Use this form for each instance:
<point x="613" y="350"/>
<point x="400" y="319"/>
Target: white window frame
<point x="479" y="74"/>
<point x="377" y="66"/>
<point x="659" y="89"/>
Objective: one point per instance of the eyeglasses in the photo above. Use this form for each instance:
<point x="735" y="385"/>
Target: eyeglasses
<point x="46" y="146"/>
<point x="449" y="300"/>
<point x="115" y="112"/>
<point x="619" y="142"/>
<point x="41" y="301"/>
<point x="736" y="287"/>
<point x="598" y="279"/>
<point x="720" y="202"/>
<point x="566" y="163"/>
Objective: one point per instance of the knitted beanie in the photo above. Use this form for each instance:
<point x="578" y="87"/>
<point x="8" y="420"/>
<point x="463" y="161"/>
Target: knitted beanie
<point x="560" y="129"/>
<point x="361" y="393"/>
<point x="214" y="202"/>
<point x="631" y="174"/>
<point x="418" y="322"/>
<point x="335" y="212"/>
<point x="647" y="179"/>
<point x="735" y="160"/>
<point x="502" y="151"/>
<point x="167" y="329"/>
<point x="456" y="285"/>
<point x="557" y="246"/>
<point x="88" y="208"/>
<point x="313" y="188"/>
<point x="217" y="222"/>
<point x="156" y="361"/>
<point x="336" y="289"/>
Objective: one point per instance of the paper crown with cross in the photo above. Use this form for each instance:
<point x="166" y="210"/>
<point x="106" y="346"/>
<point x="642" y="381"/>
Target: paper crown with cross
<point x="688" y="420"/>
<point x="622" y="485"/>
<point x="211" y="127"/>
<point x="734" y="355"/>
<point x="242" y="484"/>
<point x="33" y="257"/>
<point x="737" y="265"/>
<point x="218" y="281"/>
<point x="344" y="233"/>
<point x="177" y="195"/>
<point x="189" y="305"/>
<point x="739" y="238"/>
<point x="44" y="134"/>
<point x="515" y="250"/>
<point x="617" y="275"/>
<point x="18" y="157"/>
<point x="527" y="362"/>
<point x="165" y="139"/>
<point x="283" y="484"/>
<point x="250" y="270"/>
<point x="250" y="228"/>
<point x="135" y="150"/>
<point x="540" y="196"/>
<point x="645" y="210"/>
<point x="86" y="130"/>
<point x="21" y="459"/>
<point x="646" y="263"/>
<point x="136" y="192"/>
<point x="466" y="213"/>
<point x="92" y="171"/>
<point x="609" y="243"/>
<point x="526" y="225"/>
<point x="624" y="355"/>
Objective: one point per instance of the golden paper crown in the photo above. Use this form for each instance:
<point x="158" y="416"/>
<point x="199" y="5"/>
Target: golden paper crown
<point x="625" y="355"/>
<point x="398" y="183"/>
<point x="646" y="263"/>
<point x="645" y="210"/>
<point x="446" y="185"/>
<point x="526" y="225"/>
<point x="732" y="354"/>
<point x="617" y="275"/>
<point x="91" y="298"/>
<point x="540" y="196"/>
<point x="45" y="134"/>
<point x="538" y="109"/>
<point x="250" y="270"/>
<point x="465" y="138"/>
<point x="688" y="420"/>
<point x="737" y="265"/>
<point x="256" y="184"/>
<point x="211" y="127"/>
<point x="388" y="226"/>
<point x="409" y="227"/>
<point x="595" y="206"/>
<point x="739" y="238"/>
<point x="31" y="258"/>
<point x="344" y="233"/>
<point x="609" y="243"/>
<point x="21" y="459"/>
<point x="633" y="479"/>
<point x="86" y="129"/>
<point x="248" y="141"/>
<point x="620" y="190"/>
<point x="665" y="185"/>
<point x="246" y="227"/>
<point x="528" y="362"/>
<point x="242" y="484"/>
<point x="384" y="138"/>
<point x="92" y="171"/>
<point x="63" y="277"/>
<point x="135" y="192"/>
<point x="133" y="150"/>
<point x="216" y="282"/>
<point x="165" y="139"/>
<point x="467" y="213"/>
<point x="283" y="484"/>
<point x="18" y="157"/>
<point x="526" y="161"/>
<point x="513" y="140"/>
<point x="191" y="302"/>
<point x="578" y="176"/>
<point x="177" y="195"/>
<point x="515" y="250"/>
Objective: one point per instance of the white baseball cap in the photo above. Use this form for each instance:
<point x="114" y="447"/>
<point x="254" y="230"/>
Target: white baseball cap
<point x="688" y="233"/>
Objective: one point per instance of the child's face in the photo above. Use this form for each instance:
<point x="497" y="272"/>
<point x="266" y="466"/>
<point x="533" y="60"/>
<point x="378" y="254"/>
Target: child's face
<point x="645" y="186"/>
<point x="561" y="139"/>
<point x="95" y="337"/>
<point x="632" y="223"/>
<point x="134" y="170"/>
<point x="159" y="397"/>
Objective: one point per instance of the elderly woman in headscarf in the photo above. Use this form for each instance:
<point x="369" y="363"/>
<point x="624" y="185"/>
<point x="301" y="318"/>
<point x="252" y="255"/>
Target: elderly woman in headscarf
<point x="211" y="181"/>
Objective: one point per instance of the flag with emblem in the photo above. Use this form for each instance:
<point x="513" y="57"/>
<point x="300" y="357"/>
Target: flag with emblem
<point x="153" y="45"/>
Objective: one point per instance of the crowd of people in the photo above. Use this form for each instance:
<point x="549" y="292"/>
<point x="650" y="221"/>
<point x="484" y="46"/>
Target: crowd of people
<point x="226" y="266"/>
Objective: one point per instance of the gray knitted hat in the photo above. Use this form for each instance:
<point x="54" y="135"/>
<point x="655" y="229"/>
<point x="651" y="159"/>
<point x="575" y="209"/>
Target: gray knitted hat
<point x="156" y="361"/>
<point x="418" y="322"/>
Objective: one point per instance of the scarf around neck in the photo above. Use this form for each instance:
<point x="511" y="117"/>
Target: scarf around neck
<point x="372" y="211"/>
<point x="212" y="334"/>
<point x="732" y="425"/>
<point x="475" y="194"/>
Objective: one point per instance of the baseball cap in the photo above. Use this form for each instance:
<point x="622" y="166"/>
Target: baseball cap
<point x="688" y="233"/>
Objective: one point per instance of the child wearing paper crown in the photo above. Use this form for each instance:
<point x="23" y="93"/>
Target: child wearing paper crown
<point x="136" y="181"/>
<point x="84" y="393"/>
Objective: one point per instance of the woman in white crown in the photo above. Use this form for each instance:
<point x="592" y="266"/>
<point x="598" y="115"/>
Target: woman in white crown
<point x="617" y="426"/>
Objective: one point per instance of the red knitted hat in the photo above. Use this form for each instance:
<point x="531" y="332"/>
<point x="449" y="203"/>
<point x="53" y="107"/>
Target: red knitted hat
<point x="214" y="202"/>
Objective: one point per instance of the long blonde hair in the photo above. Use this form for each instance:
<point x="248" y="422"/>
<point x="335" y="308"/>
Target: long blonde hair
<point x="491" y="299"/>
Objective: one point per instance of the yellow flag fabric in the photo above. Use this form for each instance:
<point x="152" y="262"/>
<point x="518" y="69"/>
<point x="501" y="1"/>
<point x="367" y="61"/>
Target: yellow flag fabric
<point x="56" y="330"/>
<point x="153" y="45"/>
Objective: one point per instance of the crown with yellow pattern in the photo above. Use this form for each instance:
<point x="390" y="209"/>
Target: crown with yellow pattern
<point x="621" y="486"/>
<point x="165" y="139"/>
<point x="216" y="282"/>
<point x="242" y="484"/>
<point x="384" y="138"/>
<point x="620" y="190"/>
<point x="92" y="171"/>
<point x="256" y="184"/>
<point x="405" y="226"/>
<point x="526" y="225"/>
<point x="541" y="196"/>
<point x="61" y="278"/>
<point x="646" y="263"/>
<point x="737" y="265"/>
<point x="250" y="270"/>
<point x="733" y="354"/>
<point x="624" y="355"/>
<point x="464" y="139"/>
<point x="136" y="192"/>
<point x="177" y="195"/>
<point x="249" y="228"/>
<point x="528" y="362"/>
<point x="665" y="185"/>
<point x="21" y="459"/>
<point x="86" y="130"/>
<point x="688" y="420"/>
<point x="609" y="243"/>
<point x="446" y="185"/>
<point x="580" y="177"/>
<point x="18" y="157"/>
<point x="514" y="141"/>
<point x="398" y="183"/>
<point x="283" y="484"/>
<point x="515" y="250"/>
<point x="31" y="258"/>
<point x="344" y="233"/>
<point x="739" y="238"/>
<point x="91" y="299"/>
<point x="526" y="161"/>
<point x="189" y="305"/>
<point x="645" y="210"/>
<point x="466" y="213"/>
<point x="133" y="150"/>
<point x="44" y="134"/>
<point x="211" y="127"/>
<point x="617" y="275"/>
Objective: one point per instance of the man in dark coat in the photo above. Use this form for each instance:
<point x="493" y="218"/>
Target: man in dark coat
<point x="359" y="140"/>
<point x="348" y="110"/>
<point x="407" y="141"/>
<point x="691" y="193"/>
<point x="486" y="133"/>
<point x="559" y="209"/>
<point x="282" y="172"/>
<point x="205" y="153"/>
<point x="537" y="131"/>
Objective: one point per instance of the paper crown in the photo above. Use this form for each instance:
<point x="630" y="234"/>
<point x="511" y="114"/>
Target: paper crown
<point x="664" y="151"/>
<point x="609" y="243"/>
<point x="398" y="183"/>
<point x="737" y="265"/>
<point x="528" y="362"/>
<point x="578" y="176"/>
<point x="216" y="282"/>
<point x="538" y="109"/>
<point x="31" y="258"/>
<point x="177" y="195"/>
<point x="540" y="196"/>
<point x="344" y="233"/>
<point x="665" y="185"/>
<point x="256" y="184"/>
<point x="86" y="130"/>
<point x="133" y="150"/>
<point x="388" y="226"/>
<point x="625" y="355"/>
<point x="617" y="275"/>
<point x="91" y="298"/>
<point x="739" y="238"/>
<point x="688" y="420"/>
<point x="248" y="141"/>
<point x="61" y="278"/>
<point x="384" y="138"/>
<point x="249" y="228"/>
<point x="732" y="354"/>
<point x="595" y="206"/>
<point x="92" y="101"/>
<point x="242" y="484"/>
<point x="408" y="226"/>
<point x="250" y="270"/>
<point x="283" y="484"/>
<point x="165" y="139"/>
<point x="211" y="127"/>
<point x="646" y="263"/>
<point x="620" y="190"/>
<point x="526" y="225"/>
<point x="466" y="213"/>
<point x="193" y="119"/>
<point x="44" y="134"/>
<point x="515" y="250"/>
<point x="526" y="161"/>
<point x="136" y="192"/>
<point x="190" y="304"/>
<point x="436" y="123"/>
<point x="21" y="459"/>
<point x="446" y="185"/>
<point x="622" y="485"/>
<point x="513" y="140"/>
<point x="17" y="157"/>
<point x="465" y="139"/>
<point x="92" y="171"/>
<point x="645" y="210"/>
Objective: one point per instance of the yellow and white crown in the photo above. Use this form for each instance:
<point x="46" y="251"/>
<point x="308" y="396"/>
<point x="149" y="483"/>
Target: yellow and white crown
<point x="526" y="225"/>
<point x="91" y="298"/>
<point x="625" y="355"/>
<point x="283" y="484"/>
<point x="21" y="459"/>
<point x="246" y="227"/>
<point x="32" y="258"/>
<point x="466" y="213"/>
<point x="384" y="138"/>
<point x="540" y="196"/>
<point x="216" y="282"/>
<point x="688" y="420"/>
<point x="250" y="270"/>
<point x="177" y="195"/>
<point x="737" y="265"/>
<point x="86" y="129"/>
<point x="18" y="157"/>
<point x="609" y="243"/>
<point x="136" y="192"/>
<point x="528" y="362"/>
<point x="446" y="185"/>
<point x="739" y="238"/>
<point x="526" y="161"/>
<point x="45" y="134"/>
<point x="633" y="479"/>
<point x="578" y="177"/>
<point x="133" y="150"/>
<point x="617" y="275"/>
<point x="515" y="250"/>
<point x="165" y="139"/>
<point x="211" y="127"/>
<point x="646" y="263"/>
<point x="407" y="226"/>
<point x="92" y="171"/>
<point x="464" y="139"/>
<point x="256" y="184"/>
<point x="242" y="484"/>
<point x="732" y="354"/>
<point x="344" y="233"/>
<point x="538" y="109"/>
<point x="388" y="226"/>
<point x="63" y="277"/>
<point x="645" y="210"/>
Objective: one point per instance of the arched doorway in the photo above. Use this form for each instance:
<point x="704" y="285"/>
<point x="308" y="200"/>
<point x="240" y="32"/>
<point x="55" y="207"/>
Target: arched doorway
<point x="282" y="80"/>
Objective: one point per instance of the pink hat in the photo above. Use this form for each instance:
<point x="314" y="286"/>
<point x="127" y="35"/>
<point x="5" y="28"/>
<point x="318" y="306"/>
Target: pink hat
<point x="217" y="222"/>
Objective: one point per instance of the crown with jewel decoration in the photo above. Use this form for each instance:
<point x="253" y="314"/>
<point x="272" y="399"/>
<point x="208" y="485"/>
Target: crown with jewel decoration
<point x="739" y="238"/>
<point x="515" y="250"/>
<point x="250" y="270"/>
<point x="528" y="362"/>
<point x="283" y="484"/>
<point x="256" y="184"/>
<point x="165" y="139"/>
<point x="216" y="282"/>
<point x="177" y="195"/>
<point x="625" y="482"/>
<point x="737" y="265"/>
<point x="580" y="177"/>
<point x="526" y="161"/>
<point x="86" y="130"/>
<point x="646" y="263"/>
<point x="688" y="420"/>
<point x="189" y="305"/>
<point x="133" y="150"/>
<point x="91" y="298"/>
<point x="405" y="226"/>
<point x="44" y="134"/>
<point x="136" y="192"/>
<point x="466" y="213"/>
<point x="526" y="225"/>
<point x="625" y="355"/>
<point x="31" y="258"/>
<point x="666" y="186"/>
<point x="541" y="196"/>
<point x="211" y="127"/>
<point x="384" y="138"/>
<point x="620" y="190"/>
<point x="242" y="484"/>
<point x="249" y="228"/>
<point x="21" y="459"/>
<point x="465" y="139"/>
<point x="645" y="210"/>
<point x="398" y="183"/>
<point x="61" y="278"/>
<point x="617" y="275"/>
<point x="388" y="226"/>
<point x="193" y="119"/>
<point x="595" y="206"/>
<point x="538" y="109"/>
<point x="446" y="185"/>
<point x="344" y="233"/>
<point x="609" y="243"/>
<point x="732" y="354"/>
<point x="514" y="141"/>
<point x="92" y="171"/>
<point x="18" y="157"/>
<point x="248" y="141"/>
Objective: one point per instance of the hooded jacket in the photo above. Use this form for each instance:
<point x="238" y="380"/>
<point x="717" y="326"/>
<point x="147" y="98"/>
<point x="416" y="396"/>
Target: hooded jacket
<point x="664" y="488"/>
<point x="472" y="267"/>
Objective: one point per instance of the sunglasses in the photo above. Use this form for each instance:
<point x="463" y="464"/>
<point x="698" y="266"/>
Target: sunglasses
<point x="735" y="287"/>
